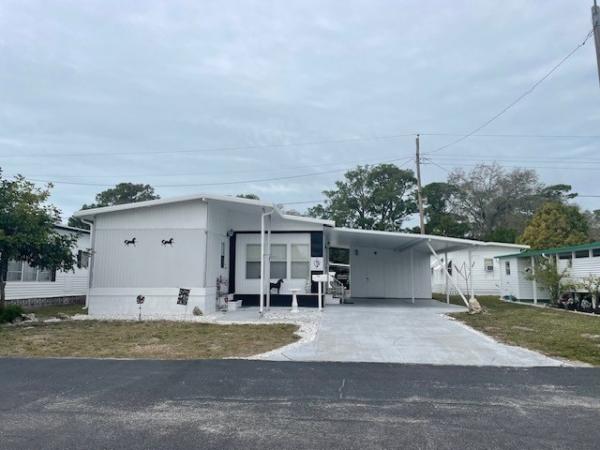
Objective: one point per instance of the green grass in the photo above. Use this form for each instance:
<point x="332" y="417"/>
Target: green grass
<point x="44" y="312"/>
<point x="150" y="340"/>
<point x="551" y="331"/>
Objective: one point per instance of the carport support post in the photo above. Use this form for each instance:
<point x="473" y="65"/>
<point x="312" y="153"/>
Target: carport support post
<point x="435" y="255"/>
<point x="470" y="286"/>
<point x="268" y="268"/>
<point x="446" y="277"/>
<point x="412" y="275"/>
<point x="262" y="264"/>
<point x="533" y="280"/>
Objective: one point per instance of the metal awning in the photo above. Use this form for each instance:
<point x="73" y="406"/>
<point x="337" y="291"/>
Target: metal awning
<point x="348" y="237"/>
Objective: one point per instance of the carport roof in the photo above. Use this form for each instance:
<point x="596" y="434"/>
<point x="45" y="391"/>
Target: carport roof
<point x="349" y="237"/>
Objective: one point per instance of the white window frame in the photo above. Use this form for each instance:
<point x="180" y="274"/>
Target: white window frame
<point x="279" y="261"/>
<point x="38" y="271"/>
<point x="488" y="264"/>
<point x="253" y="261"/>
<point x="300" y="261"/>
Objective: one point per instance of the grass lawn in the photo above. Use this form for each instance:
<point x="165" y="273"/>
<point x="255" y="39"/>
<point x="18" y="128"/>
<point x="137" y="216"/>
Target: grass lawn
<point x="550" y="331"/>
<point x="44" y="312"/>
<point x="152" y="340"/>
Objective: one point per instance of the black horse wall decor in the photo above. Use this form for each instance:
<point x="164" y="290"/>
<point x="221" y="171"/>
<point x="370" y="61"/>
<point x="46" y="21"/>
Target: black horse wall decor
<point x="276" y="285"/>
<point x="166" y="242"/>
<point x="129" y="242"/>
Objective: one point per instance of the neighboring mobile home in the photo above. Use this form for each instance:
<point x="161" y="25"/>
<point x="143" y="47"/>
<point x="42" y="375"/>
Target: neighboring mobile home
<point x="31" y="286"/>
<point x="166" y="258"/>
<point x="516" y="280"/>
<point x="485" y="269"/>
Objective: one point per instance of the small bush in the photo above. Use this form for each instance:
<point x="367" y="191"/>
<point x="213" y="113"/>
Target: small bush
<point x="10" y="313"/>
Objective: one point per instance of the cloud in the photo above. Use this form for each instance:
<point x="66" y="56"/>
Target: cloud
<point x="107" y="77"/>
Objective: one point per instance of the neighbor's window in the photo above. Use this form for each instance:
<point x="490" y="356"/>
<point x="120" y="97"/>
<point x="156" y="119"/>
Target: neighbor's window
<point x="582" y="254"/>
<point x="596" y="252"/>
<point x="507" y="267"/>
<point x="83" y="259"/>
<point x="568" y="257"/>
<point x="222" y="255"/>
<point x="21" y="271"/>
<point x="15" y="270"/>
<point x="488" y="263"/>
<point x="252" y="261"/>
<point x="300" y="261"/>
<point x="278" y="261"/>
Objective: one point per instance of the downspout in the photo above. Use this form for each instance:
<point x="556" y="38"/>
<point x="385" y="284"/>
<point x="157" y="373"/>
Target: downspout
<point x="92" y="258"/>
<point x="262" y="260"/>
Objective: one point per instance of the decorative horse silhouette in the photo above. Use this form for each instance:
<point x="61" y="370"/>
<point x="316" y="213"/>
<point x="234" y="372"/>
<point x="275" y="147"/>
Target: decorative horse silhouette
<point x="167" y="242"/>
<point x="129" y="242"/>
<point x="276" y="285"/>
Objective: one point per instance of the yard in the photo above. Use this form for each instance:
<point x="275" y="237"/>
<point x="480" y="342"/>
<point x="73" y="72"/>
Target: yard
<point x="550" y="331"/>
<point x="150" y="340"/>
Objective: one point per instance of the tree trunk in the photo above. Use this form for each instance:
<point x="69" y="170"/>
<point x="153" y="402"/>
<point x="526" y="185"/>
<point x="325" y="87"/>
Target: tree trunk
<point x="3" y="273"/>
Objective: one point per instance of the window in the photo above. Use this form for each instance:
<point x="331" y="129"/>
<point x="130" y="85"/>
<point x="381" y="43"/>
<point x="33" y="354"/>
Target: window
<point x="278" y="261"/>
<point x="300" y="261"/>
<point x="15" y="270"/>
<point x="83" y="259"/>
<point x="21" y="271"/>
<point x="582" y="254"/>
<point x="507" y="267"/>
<point x="488" y="263"/>
<point x="568" y="257"/>
<point x="596" y="252"/>
<point x="222" y="255"/>
<point x="252" y="261"/>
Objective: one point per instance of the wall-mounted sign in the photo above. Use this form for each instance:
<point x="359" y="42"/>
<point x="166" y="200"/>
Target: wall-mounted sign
<point x="184" y="295"/>
<point x="140" y="299"/>
<point x="316" y="263"/>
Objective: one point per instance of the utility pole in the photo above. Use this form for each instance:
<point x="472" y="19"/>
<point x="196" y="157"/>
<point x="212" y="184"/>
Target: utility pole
<point x="419" y="193"/>
<point x="596" y="24"/>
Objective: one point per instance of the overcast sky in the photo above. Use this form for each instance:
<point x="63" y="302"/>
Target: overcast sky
<point x="198" y="93"/>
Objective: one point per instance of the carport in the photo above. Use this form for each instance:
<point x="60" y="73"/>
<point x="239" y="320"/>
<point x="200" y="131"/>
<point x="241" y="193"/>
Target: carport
<point x="393" y="265"/>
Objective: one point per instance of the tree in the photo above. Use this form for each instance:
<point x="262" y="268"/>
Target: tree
<point x="120" y="194"/>
<point x="498" y="204"/>
<point x="593" y="221"/>
<point x="549" y="277"/>
<point x="374" y="198"/>
<point x="555" y="225"/>
<point x="27" y="231"/>
<point x="248" y="196"/>
<point x="439" y="220"/>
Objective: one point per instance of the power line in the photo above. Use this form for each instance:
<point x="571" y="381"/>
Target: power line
<point x="223" y="183"/>
<point x="214" y="149"/>
<point x="518" y="99"/>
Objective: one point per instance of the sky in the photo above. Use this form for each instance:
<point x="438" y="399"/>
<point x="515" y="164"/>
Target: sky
<point x="230" y="97"/>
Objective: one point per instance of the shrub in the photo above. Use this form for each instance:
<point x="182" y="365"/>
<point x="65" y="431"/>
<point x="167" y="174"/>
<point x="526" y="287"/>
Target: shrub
<point x="10" y="313"/>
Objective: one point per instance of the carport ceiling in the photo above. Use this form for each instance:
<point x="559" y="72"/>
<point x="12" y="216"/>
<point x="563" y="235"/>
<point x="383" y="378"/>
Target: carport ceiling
<point x="351" y="238"/>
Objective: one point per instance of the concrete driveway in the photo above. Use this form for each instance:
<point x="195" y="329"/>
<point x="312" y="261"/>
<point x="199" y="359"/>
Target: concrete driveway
<point x="397" y="331"/>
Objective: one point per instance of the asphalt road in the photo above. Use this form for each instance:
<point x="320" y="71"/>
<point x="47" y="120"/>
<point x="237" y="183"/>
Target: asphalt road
<point x="88" y="404"/>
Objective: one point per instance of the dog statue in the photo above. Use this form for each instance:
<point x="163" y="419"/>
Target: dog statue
<point x="276" y="285"/>
<point x="129" y="242"/>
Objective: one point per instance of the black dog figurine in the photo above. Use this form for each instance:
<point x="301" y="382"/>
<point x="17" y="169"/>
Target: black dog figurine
<point x="168" y="242"/>
<point x="129" y="242"/>
<point x="276" y="285"/>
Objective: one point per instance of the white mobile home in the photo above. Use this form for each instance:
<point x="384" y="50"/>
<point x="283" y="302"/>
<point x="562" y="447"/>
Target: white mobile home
<point x="484" y="273"/>
<point x="30" y="286"/>
<point x="517" y="269"/>
<point x="164" y="258"/>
